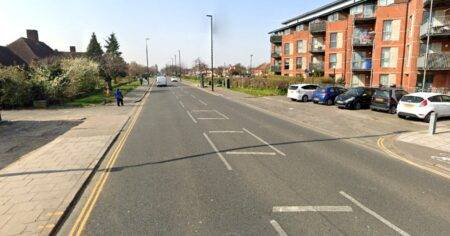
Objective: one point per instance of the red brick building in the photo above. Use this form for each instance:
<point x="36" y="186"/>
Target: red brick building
<point x="368" y="42"/>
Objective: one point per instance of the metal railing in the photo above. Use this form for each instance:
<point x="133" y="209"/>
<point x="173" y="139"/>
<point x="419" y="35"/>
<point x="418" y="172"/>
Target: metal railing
<point x="368" y="13"/>
<point x="436" y="61"/>
<point x="276" y="54"/>
<point x="439" y="25"/>
<point x="362" y="64"/>
<point x="317" y="48"/>
<point x="316" y="66"/>
<point x="276" y="38"/>
<point x="363" y="40"/>
<point x="317" y="27"/>
<point x="431" y="89"/>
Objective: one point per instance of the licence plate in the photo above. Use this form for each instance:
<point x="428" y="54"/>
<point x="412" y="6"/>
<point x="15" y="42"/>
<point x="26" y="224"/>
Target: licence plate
<point x="339" y="102"/>
<point x="379" y="100"/>
<point x="408" y="106"/>
<point x="316" y="99"/>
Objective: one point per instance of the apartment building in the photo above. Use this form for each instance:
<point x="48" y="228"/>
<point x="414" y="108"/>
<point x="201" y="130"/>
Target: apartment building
<point x="368" y="42"/>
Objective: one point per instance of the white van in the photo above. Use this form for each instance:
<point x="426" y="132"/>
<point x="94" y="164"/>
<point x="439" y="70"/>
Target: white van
<point x="161" y="81"/>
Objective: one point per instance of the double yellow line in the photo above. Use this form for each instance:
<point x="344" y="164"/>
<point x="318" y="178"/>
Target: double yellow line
<point x="380" y="143"/>
<point x="80" y="223"/>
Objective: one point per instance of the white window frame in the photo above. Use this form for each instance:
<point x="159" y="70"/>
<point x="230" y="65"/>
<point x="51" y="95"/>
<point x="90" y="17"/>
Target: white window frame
<point x="333" y="63"/>
<point x="385" y="62"/>
<point x="385" y="2"/>
<point x="335" y="40"/>
<point x="387" y="31"/>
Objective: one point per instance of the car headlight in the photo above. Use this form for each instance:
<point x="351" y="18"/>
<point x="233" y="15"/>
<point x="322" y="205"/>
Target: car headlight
<point x="350" y="99"/>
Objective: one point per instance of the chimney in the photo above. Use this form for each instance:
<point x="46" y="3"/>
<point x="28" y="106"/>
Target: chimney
<point x="73" y="49"/>
<point x="33" y="35"/>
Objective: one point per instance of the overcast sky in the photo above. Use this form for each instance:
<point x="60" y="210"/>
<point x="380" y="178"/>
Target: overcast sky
<point x="241" y="27"/>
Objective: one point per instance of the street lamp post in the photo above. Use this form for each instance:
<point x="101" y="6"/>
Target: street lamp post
<point x="179" y="62"/>
<point x="212" y="53"/>
<point x="251" y="61"/>
<point x="146" y="53"/>
<point x="175" y="65"/>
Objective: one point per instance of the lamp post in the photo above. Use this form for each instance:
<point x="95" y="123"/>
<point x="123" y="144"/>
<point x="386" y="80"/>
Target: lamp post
<point x="251" y="61"/>
<point x="175" y="64"/>
<point x="179" y="62"/>
<point x="427" y="50"/>
<point x="146" y="53"/>
<point x="212" y="53"/>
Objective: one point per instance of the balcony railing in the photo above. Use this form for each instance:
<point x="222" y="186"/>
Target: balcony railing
<point x="318" y="27"/>
<point x="316" y="66"/>
<point x="362" y="64"/>
<point x="436" y="61"/>
<point x="276" y="39"/>
<point x="363" y="40"/>
<point x="317" y="48"/>
<point x="367" y="14"/>
<point x="439" y="26"/>
<point x="276" y="54"/>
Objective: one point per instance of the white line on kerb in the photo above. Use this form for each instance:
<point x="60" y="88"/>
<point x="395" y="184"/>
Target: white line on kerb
<point x="202" y="110"/>
<point x="190" y="115"/>
<point x="266" y="143"/>
<point x="202" y="102"/>
<point x="226" y="132"/>
<point x="374" y="214"/>
<point x="221" y="114"/>
<point x="218" y="153"/>
<point x="181" y="103"/>
<point x="312" y="209"/>
<point x="212" y="118"/>
<point x="278" y="228"/>
<point x="252" y="153"/>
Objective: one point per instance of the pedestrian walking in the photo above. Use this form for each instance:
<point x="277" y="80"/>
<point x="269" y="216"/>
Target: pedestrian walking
<point x="119" y="97"/>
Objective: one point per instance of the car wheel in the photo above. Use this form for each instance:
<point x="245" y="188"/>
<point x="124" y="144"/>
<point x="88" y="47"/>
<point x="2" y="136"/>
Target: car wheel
<point x="357" y="106"/>
<point x="393" y="110"/>
<point x="329" y="102"/>
<point x="293" y="99"/>
<point x="427" y="118"/>
<point x="305" y="98"/>
<point x="401" y="116"/>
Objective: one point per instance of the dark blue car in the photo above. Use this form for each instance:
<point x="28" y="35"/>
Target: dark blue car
<point x="326" y="95"/>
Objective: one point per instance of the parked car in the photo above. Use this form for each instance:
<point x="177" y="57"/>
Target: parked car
<point x="355" y="98"/>
<point x="301" y="92"/>
<point x="386" y="99"/>
<point x="421" y="105"/>
<point x="161" y="81"/>
<point x="327" y="95"/>
<point x="174" y="79"/>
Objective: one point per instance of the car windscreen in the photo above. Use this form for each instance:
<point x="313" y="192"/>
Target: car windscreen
<point x="355" y="91"/>
<point x="381" y="93"/>
<point x="411" y="99"/>
<point x="293" y="87"/>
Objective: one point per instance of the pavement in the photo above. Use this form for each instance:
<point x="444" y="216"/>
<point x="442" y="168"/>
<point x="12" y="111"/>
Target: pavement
<point x="38" y="188"/>
<point x="196" y="163"/>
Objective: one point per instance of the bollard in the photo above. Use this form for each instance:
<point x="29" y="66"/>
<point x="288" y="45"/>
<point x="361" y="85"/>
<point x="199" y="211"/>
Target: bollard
<point x="432" y="124"/>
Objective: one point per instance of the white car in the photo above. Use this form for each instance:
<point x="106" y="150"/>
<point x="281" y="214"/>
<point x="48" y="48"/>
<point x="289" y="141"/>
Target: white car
<point x="421" y="105"/>
<point x="161" y="81"/>
<point x="301" y="92"/>
<point x="174" y="79"/>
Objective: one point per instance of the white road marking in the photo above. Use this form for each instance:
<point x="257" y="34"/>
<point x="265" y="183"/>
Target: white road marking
<point x="192" y="95"/>
<point x="312" y="209"/>
<point x="266" y="143"/>
<point x="221" y="114"/>
<point x="226" y="132"/>
<point x="252" y="153"/>
<point x="278" y="228"/>
<point x="182" y="104"/>
<point x="218" y="153"/>
<point x="210" y="118"/>
<point x="202" y="102"/>
<point x="374" y="214"/>
<point x="202" y="110"/>
<point x="190" y="115"/>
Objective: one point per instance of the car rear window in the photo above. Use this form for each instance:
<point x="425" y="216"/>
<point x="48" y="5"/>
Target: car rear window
<point x="381" y="93"/>
<point x="293" y="87"/>
<point x="411" y="99"/>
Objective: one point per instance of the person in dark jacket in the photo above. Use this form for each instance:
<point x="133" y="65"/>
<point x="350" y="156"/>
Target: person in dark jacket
<point x="119" y="97"/>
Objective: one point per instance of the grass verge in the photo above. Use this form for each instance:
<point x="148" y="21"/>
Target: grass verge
<point x="98" y="97"/>
<point x="259" y="92"/>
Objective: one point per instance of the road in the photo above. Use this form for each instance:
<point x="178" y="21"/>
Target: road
<point x="199" y="164"/>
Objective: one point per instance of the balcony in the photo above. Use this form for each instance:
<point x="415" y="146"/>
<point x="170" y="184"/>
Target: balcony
<point x="276" y="39"/>
<point x="367" y="15"/>
<point x="436" y="61"/>
<point x="276" y="55"/>
<point x="276" y="69"/>
<point x="316" y="67"/>
<point x="317" y="27"/>
<point x="440" y="27"/>
<point x="362" y="65"/>
<point x="317" y="48"/>
<point x="436" y="3"/>
<point x="363" y="41"/>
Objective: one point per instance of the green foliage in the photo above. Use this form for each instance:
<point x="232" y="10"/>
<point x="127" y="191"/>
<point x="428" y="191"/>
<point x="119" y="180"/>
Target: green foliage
<point x="15" y="87"/>
<point x="112" y="45"/>
<point x="261" y="92"/>
<point x="82" y="75"/>
<point x="94" y="50"/>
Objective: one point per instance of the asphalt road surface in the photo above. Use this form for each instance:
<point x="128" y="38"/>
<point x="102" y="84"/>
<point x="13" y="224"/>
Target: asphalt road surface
<point x="199" y="164"/>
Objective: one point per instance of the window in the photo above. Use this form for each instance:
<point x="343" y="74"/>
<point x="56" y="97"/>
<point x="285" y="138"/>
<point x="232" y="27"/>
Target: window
<point x="287" y="49"/>
<point x="333" y="17"/>
<point x="445" y="98"/>
<point x="333" y="60"/>
<point x="385" y="57"/>
<point x="435" y="99"/>
<point x="286" y="63"/>
<point x="384" y="80"/>
<point x="333" y="40"/>
<point x="287" y="31"/>
<point x="299" y="28"/>
<point x="298" y="62"/>
<point x="300" y="46"/>
<point x="387" y="30"/>
<point x="385" y="2"/>
<point x="356" y="10"/>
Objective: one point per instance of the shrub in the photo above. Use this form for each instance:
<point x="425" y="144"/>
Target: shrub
<point x="82" y="76"/>
<point x="14" y="87"/>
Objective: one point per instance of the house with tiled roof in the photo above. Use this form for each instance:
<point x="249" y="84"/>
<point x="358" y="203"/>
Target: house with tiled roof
<point x="8" y="58"/>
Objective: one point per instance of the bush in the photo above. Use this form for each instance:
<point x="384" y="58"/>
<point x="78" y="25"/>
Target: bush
<point x="15" y="87"/>
<point x="82" y="76"/>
